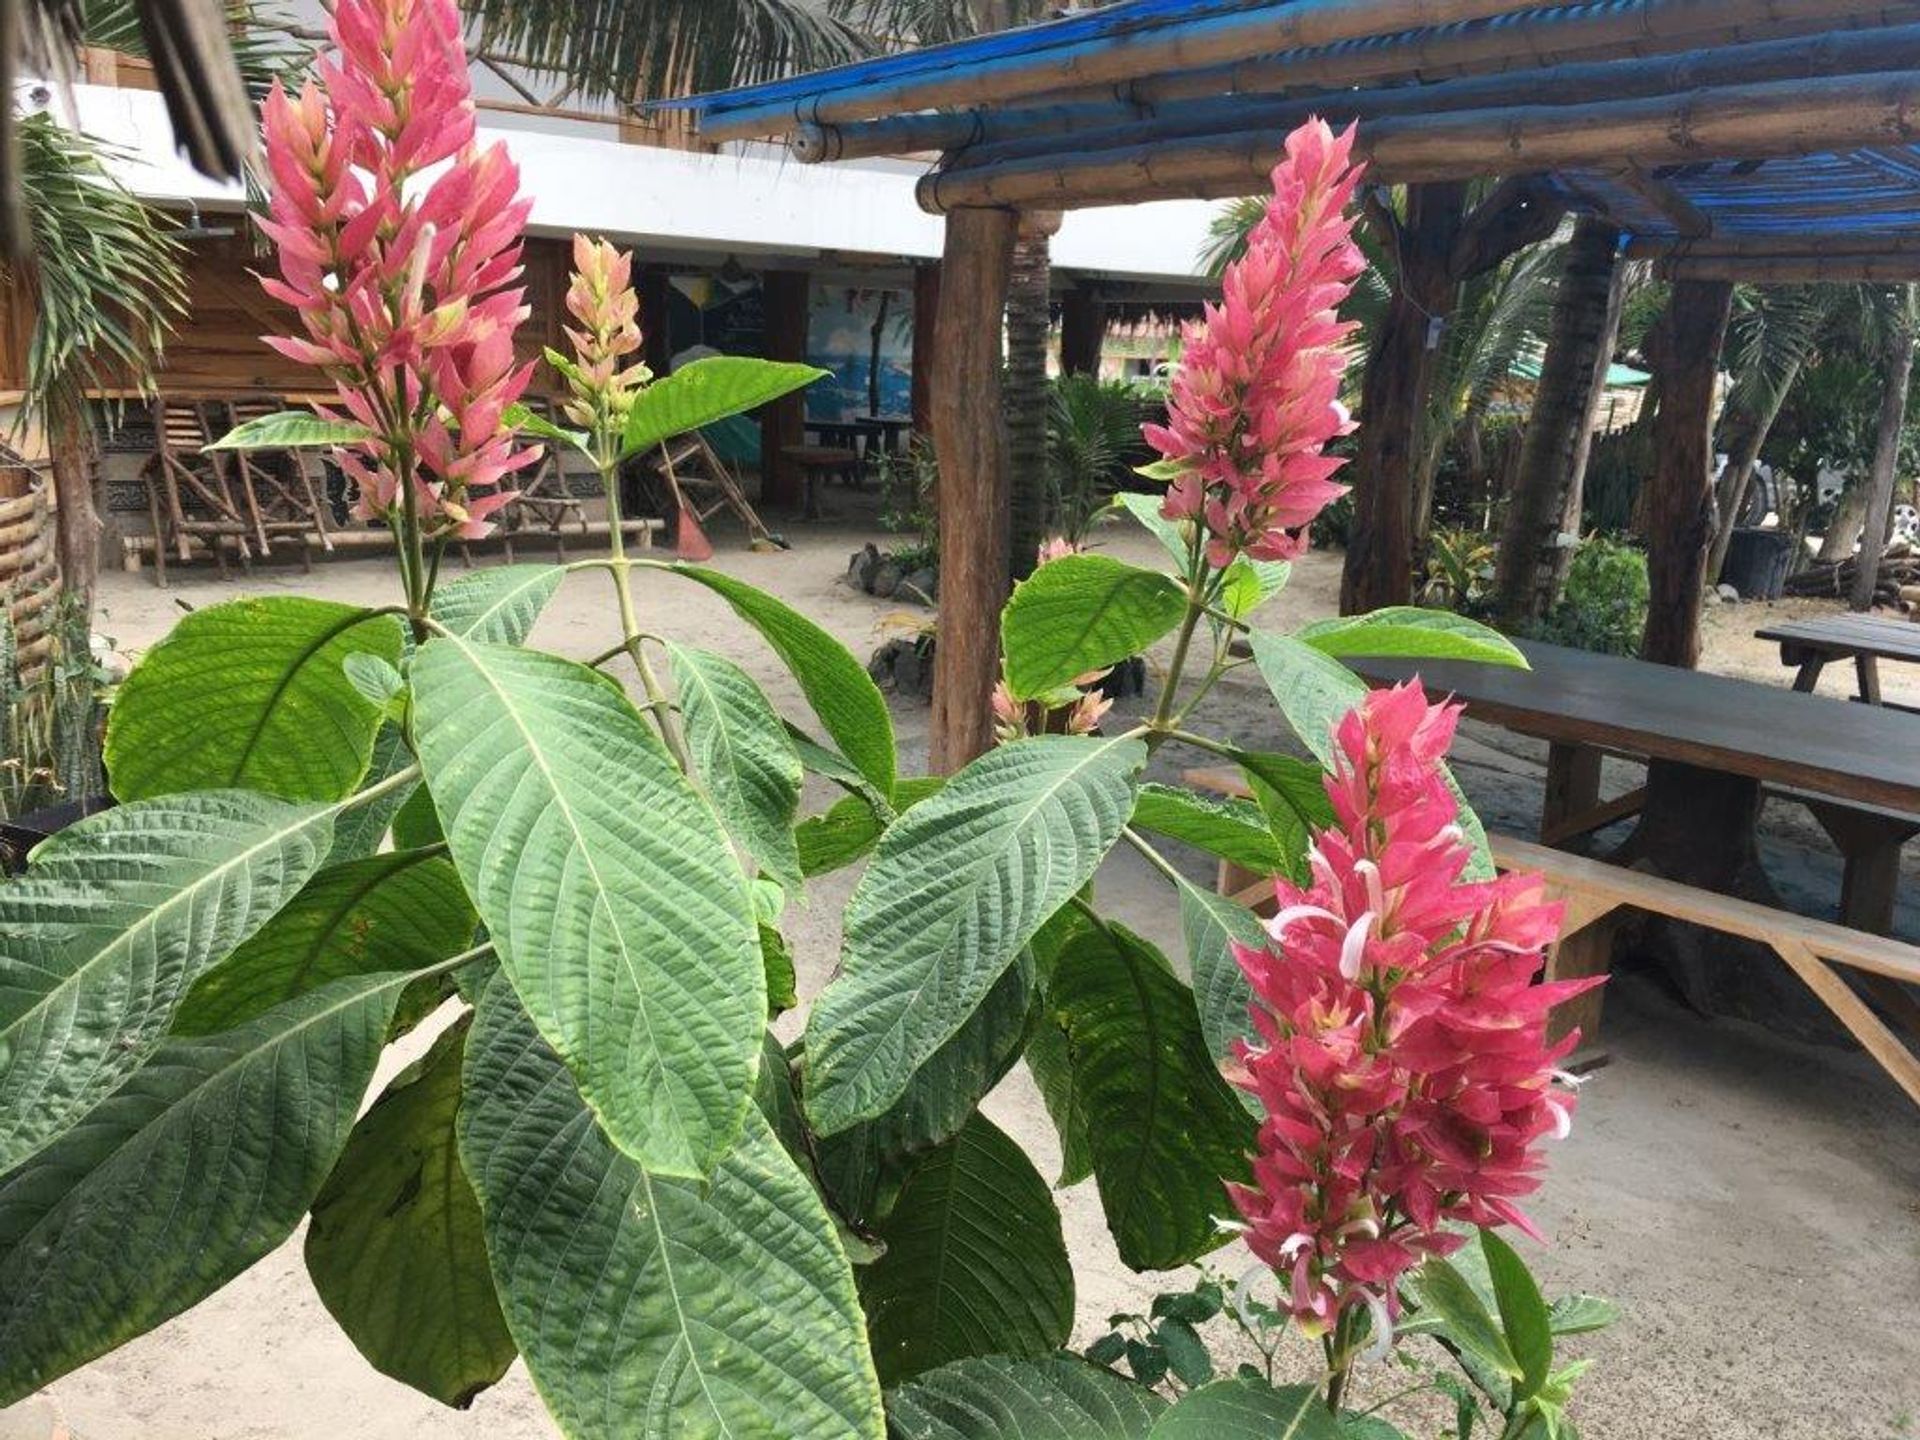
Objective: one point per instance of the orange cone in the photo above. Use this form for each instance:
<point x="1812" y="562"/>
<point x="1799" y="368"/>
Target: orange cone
<point x="689" y="540"/>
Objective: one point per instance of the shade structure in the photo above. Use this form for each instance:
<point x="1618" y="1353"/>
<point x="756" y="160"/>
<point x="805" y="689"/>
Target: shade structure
<point x="1687" y="123"/>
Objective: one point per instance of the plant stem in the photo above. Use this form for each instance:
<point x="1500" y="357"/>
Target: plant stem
<point x="657" y="701"/>
<point x="1342" y="1361"/>
<point x="375" y="791"/>
<point x="1152" y="856"/>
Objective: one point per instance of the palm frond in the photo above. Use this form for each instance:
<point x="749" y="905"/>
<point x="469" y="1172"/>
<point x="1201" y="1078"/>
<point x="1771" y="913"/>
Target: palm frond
<point x="897" y="24"/>
<point x="1772" y="335"/>
<point x="104" y="276"/>
<point x="265" y="47"/>
<point x="641" y="49"/>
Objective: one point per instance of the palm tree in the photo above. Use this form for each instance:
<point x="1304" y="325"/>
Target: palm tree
<point x="105" y="285"/>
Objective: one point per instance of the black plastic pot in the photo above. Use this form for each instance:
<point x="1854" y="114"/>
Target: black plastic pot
<point x="1757" y="562"/>
<point x="19" y="836"/>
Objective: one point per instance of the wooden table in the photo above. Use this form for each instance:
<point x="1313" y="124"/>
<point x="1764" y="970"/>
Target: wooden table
<point x="1864" y="639"/>
<point x="1712" y="743"/>
<point x="889" y="431"/>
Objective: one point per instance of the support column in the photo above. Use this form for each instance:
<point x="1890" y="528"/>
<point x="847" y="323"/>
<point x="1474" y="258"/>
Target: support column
<point x="1886" y="449"/>
<point x="970" y="438"/>
<point x="783" y="422"/>
<point x="1379" y="563"/>
<point x="656" y="311"/>
<point x="926" y="307"/>
<point x="1545" y="501"/>
<point x="1679" y="507"/>
<point x="1029" y="323"/>
<point x="1083" y="330"/>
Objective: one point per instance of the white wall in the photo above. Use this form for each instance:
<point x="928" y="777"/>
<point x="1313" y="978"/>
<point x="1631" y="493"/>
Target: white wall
<point x="736" y="203"/>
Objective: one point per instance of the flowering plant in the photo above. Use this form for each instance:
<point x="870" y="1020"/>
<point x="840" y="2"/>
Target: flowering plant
<point x="344" y="827"/>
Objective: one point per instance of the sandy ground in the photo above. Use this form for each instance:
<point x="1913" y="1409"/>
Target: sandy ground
<point x="1753" y="1205"/>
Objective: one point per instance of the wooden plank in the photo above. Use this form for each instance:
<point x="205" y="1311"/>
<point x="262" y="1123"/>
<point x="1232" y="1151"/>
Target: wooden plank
<point x="1854" y="1013"/>
<point x="1862" y="753"/>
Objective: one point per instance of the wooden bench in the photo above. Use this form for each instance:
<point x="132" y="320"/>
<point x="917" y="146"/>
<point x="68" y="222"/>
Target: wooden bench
<point x="822" y="462"/>
<point x="1594" y="893"/>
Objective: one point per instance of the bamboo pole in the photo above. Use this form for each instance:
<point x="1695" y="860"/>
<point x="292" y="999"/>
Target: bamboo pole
<point x="1791" y="269"/>
<point x="987" y="137"/>
<point x="1748" y="122"/>
<point x="1267" y="52"/>
<point x="1115" y="56"/>
<point x="1734" y="247"/>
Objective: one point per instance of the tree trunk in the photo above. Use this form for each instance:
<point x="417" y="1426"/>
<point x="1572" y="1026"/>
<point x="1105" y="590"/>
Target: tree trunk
<point x="1886" y="450"/>
<point x="1738" y="479"/>
<point x="926" y="307"/>
<point x="1379" y="563"/>
<point x="1845" y="525"/>
<point x="76" y="519"/>
<point x="874" y="337"/>
<point x="1083" y="330"/>
<point x="970" y="441"/>
<point x="1545" y="508"/>
<point x="1680" y="503"/>
<point x="1028" y="323"/>
<point x="783" y="423"/>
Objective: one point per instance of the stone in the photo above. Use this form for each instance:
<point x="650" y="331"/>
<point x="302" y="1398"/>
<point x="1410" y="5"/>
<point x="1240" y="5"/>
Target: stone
<point x="922" y="585"/>
<point x="861" y="568"/>
<point x="1726" y="592"/>
<point x="886" y="580"/>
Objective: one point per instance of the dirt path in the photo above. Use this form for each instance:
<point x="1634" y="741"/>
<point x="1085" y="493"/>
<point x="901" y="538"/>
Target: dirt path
<point x="1750" y="1203"/>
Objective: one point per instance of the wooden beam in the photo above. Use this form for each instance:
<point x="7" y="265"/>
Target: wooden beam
<point x="1688" y="219"/>
<point x="1791" y="269"/>
<point x="1680" y="495"/>
<point x="1747" y="122"/>
<point x="970" y="438"/>
<point x="1735" y="247"/>
<point x="784" y="422"/>
<point x="1378" y="569"/>
<point x="1119" y="56"/>
<point x="988" y="137"/>
<point x="1083" y="330"/>
<point x="926" y="307"/>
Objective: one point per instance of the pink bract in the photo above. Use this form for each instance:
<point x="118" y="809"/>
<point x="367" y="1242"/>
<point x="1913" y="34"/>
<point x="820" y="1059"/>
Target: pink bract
<point x="1402" y="1060"/>
<point x="399" y="242"/>
<point x="1257" y="396"/>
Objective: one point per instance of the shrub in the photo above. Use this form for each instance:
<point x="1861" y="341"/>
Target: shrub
<point x="1604" y="605"/>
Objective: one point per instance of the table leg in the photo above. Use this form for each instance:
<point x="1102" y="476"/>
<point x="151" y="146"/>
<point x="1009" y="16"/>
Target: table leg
<point x="1867" y="667"/>
<point x="1870" y="847"/>
<point x="1573" y="785"/>
<point x="1811" y="663"/>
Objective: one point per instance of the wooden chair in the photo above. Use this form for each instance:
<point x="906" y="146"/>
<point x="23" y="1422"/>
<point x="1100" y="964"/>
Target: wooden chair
<point x="686" y="475"/>
<point x="544" y="498"/>
<point x="276" y="486"/>
<point x="191" y="495"/>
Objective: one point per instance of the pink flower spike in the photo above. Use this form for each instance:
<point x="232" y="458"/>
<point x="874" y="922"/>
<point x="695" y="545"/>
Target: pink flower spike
<point x="1402" y="1062"/>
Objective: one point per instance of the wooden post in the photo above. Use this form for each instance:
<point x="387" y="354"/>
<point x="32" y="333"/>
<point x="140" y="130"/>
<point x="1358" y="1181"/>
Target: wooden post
<point x="970" y="439"/>
<point x="1029" y="319"/>
<point x="926" y="308"/>
<point x="1083" y="330"/>
<point x="76" y="518"/>
<point x="784" y="422"/>
<point x="1886" y="449"/>
<point x="656" y="309"/>
<point x="1379" y="563"/>
<point x="1680" y="492"/>
<point x="1545" y="503"/>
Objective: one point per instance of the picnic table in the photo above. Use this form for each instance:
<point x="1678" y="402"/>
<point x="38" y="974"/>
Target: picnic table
<point x="1813" y="643"/>
<point x="1714" y="747"/>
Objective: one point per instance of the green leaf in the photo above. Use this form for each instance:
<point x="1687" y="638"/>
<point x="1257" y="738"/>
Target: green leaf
<point x="398" y="911"/>
<point x="975" y="1263"/>
<point x="519" y="418"/>
<point x="1409" y="632"/>
<point x="290" y="430"/>
<point x="359" y="832"/>
<point x="200" y="1164"/>
<point x="1448" y="1303"/>
<point x="1211" y="924"/>
<point x="499" y="605"/>
<point x="1051" y="1063"/>
<point x="1523" y="1314"/>
<point x="1187" y="1354"/>
<point x="1292" y="796"/>
<point x="742" y="753"/>
<point x="836" y="685"/>
<point x="251" y="695"/>
<point x="1315" y="691"/>
<point x="851" y="826"/>
<point x="1081" y="613"/>
<point x="1369" y="1427"/>
<point x="416" y="825"/>
<point x="1232" y="829"/>
<point x="858" y="1163"/>
<point x="1249" y="584"/>
<point x="1059" y="1397"/>
<point x="1581" y="1314"/>
<point x="782" y="981"/>
<point x="1164" y="1127"/>
<point x="707" y="390"/>
<point x="956" y="889"/>
<point x="608" y="889"/>
<point x="1241" y="1409"/>
<point x="1146" y="510"/>
<point x="395" y="1248"/>
<point x="114" y="919"/>
<point x="650" y="1307"/>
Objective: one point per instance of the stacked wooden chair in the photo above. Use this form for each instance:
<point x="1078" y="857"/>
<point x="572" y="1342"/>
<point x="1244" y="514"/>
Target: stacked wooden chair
<point x="544" y="500"/>
<point x="278" y="487"/>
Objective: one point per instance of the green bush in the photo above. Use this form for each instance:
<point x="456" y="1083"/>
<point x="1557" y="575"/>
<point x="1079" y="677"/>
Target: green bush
<point x="1604" y="605"/>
